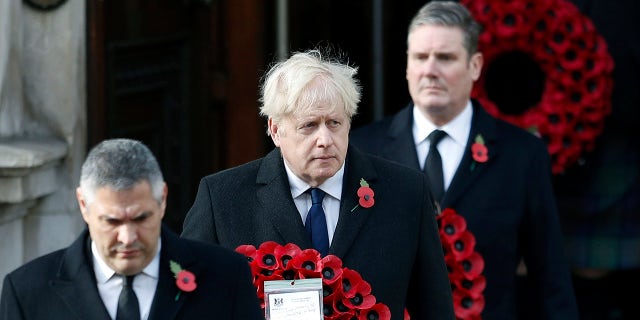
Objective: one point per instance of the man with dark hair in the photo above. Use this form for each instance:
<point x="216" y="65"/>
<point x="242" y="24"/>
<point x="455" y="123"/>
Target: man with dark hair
<point x="126" y="265"/>
<point x="496" y="175"/>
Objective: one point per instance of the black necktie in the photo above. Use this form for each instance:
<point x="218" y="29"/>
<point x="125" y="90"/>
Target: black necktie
<point x="128" y="308"/>
<point x="316" y="223"/>
<point x="433" y="164"/>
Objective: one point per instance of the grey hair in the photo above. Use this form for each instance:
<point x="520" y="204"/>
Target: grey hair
<point x="120" y="164"/>
<point x="449" y="14"/>
<point x="307" y="78"/>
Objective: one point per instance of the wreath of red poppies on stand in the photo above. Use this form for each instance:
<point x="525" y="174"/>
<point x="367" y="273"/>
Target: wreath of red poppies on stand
<point x="546" y="70"/>
<point x="345" y="294"/>
<point x="464" y="265"/>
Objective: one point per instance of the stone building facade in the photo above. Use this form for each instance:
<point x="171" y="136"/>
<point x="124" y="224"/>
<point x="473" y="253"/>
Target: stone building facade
<point x="42" y="128"/>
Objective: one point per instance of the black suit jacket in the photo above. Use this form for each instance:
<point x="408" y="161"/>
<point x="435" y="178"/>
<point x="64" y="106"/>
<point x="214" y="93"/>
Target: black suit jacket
<point x="394" y="245"/>
<point x="508" y="203"/>
<point x="62" y="285"/>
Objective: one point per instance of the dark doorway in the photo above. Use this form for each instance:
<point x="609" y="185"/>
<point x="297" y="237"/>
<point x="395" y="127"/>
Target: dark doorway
<point x="159" y="71"/>
<point x="352" y="27"/>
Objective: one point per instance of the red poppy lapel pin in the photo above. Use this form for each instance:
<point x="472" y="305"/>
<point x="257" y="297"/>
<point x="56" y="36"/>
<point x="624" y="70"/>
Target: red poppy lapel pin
<point x="185" y="280"/>
<point x="365" y="195"/>
<point x="479" y="151"/>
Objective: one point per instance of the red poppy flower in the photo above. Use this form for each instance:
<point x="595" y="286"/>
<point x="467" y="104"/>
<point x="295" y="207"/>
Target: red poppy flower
<point x="451" y="225"/>
<point x="247" y="250"/>
<point x="463" y="246"/>
<point x="359" y="294"/>
<point x="466" y="305"/>
<point x="308" y="264"/>
<point x="378" y="311"/>
<point x="366" y="197"/>
<point x="510" y="23"/>
<point x="472" y="265"/>
<point x="365" y="194"/>
<point x="350" y="281"/>
<point x="475" y="286"/>
<point x="359" y="300"/>
<point x="331" y="269"/>
<point x="285" y="253"/>
<point x="186" y="281"/>
<point x="479" y="150"/>
<point x="266" y="259"/>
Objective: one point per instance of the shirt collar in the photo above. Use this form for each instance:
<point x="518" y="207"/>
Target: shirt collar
<point x="457" y="129"/>
<point x="104" y="273"/>
<point x="421" y="126"/>
<point x="332" y="186"/>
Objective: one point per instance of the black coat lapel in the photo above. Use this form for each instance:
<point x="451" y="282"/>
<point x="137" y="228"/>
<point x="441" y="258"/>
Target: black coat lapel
<point x="75" y="281"/>
<point x="168" y="299"/>
<point x="469" y="170"/>
<point x="398" y="143"/>
<point x="274" y="195"/>
<point x="351" y="221"/>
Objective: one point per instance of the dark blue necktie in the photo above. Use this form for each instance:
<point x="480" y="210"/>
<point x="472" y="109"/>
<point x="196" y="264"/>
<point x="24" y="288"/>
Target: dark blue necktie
<point x="316" y="223"/>
<point x="128" y="308"/>
<point x="433" y="165"/>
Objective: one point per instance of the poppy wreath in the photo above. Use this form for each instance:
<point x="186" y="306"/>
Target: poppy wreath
<point x="345" y="294"/>
<point x="546" y="70"/>
<point x="464" y="265"/>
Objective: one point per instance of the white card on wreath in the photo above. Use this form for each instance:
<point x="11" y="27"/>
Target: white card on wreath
<point x="299" y="299"/>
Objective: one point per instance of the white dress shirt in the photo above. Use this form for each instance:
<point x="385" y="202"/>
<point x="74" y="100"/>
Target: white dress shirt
<point x="451" y="147"/>
<point x="110" y="284"/>
<point x="330" y="203"/>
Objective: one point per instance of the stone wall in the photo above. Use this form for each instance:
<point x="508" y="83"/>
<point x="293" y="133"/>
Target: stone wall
<point x="42" y="128"/>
